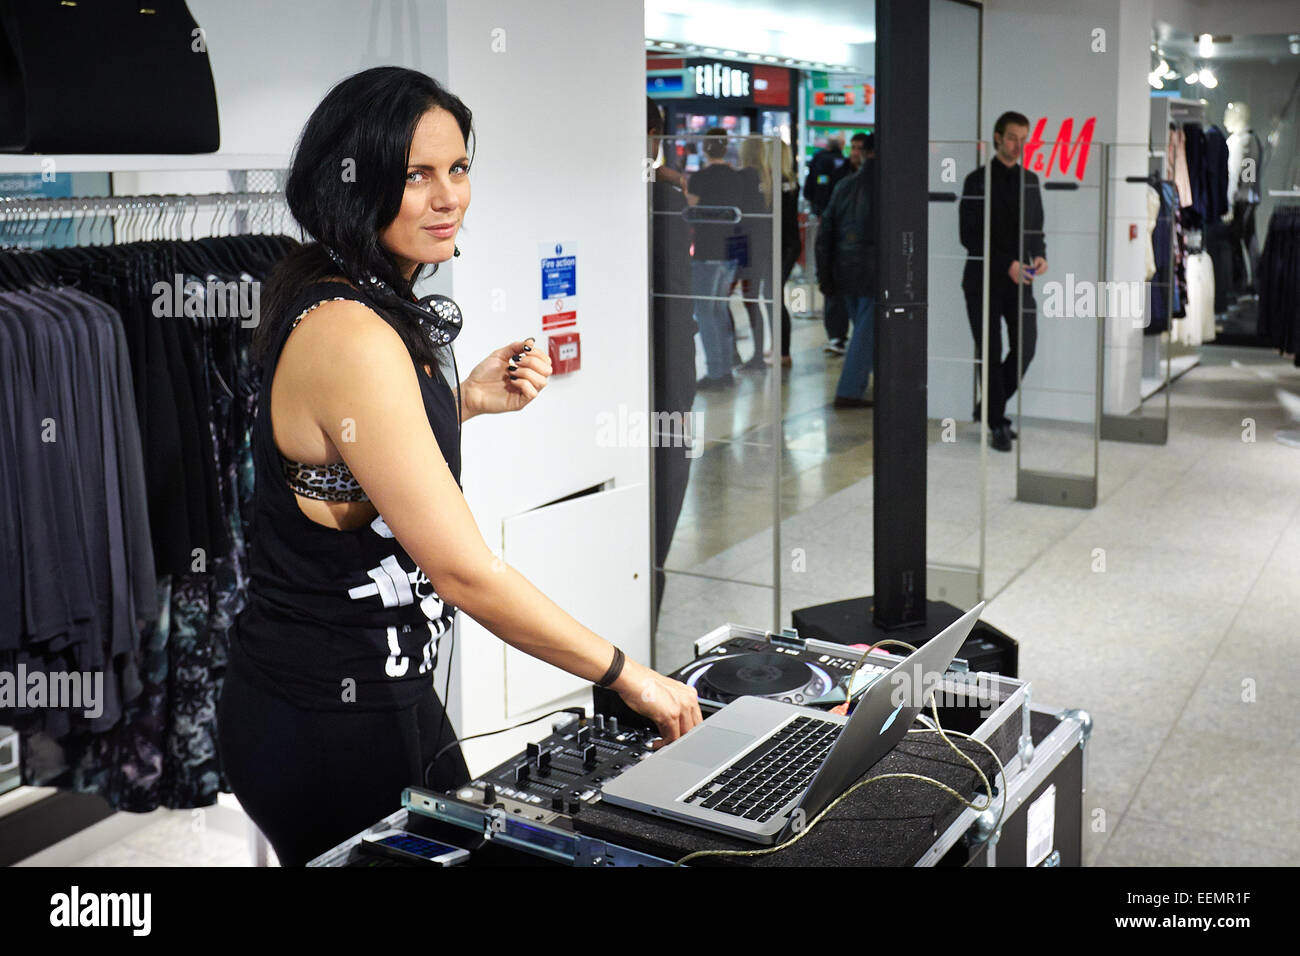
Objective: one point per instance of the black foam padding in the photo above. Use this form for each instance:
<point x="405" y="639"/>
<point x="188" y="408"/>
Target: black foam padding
<point x="885" y="823"/>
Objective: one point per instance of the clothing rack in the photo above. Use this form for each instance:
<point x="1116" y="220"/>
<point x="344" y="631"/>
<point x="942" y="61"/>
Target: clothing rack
<point x="156" y="215"/>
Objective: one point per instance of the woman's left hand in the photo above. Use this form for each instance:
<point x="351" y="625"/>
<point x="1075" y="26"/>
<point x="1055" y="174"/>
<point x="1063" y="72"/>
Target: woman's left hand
<point x="507" y="380"/>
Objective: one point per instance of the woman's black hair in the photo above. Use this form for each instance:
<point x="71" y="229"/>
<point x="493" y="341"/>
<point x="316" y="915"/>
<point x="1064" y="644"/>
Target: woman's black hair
<point x="346" y="183"/>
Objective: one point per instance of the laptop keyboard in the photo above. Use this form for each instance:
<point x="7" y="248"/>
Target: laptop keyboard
<point x="768" y="777"/>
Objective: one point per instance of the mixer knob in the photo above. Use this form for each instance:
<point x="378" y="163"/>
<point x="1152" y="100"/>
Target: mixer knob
<point x="613" y="725"/>
<point x="521" y="773"/>
<point x="557" y="803"/>
<point x="589" y="755"/>
<point x="544" y="760"/>
<point x="574" y="806"/>
<point x="600" y="722"/>
<point x="489" y="793"/>
<point x="533" y="750"/>
<point x="584" y="736"/>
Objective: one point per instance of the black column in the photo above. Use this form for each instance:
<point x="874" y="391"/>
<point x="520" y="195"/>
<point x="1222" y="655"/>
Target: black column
<point x="902" y="144"/>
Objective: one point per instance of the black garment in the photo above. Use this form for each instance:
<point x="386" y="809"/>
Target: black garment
<point x="718" y="184"/>
<point x="330" y="610"/>
<point x="1216" y="175"/>
<point x="55" y="571"/>
<point x="1004" y="219"/>
<point x="846" y="237"/>
<point x="826" y="168"/>
<point x="1197" y="175"/>
<point x="674" y="366"/>
<point x="671" y="240"/>
<point x="1167" y="292"/>
<point x="310" y="779"/>
<point x="83" y="569"/>
<point x="791" y="247"/>
<point x="1279" y="282"/>
<point x="1003" y="378"/>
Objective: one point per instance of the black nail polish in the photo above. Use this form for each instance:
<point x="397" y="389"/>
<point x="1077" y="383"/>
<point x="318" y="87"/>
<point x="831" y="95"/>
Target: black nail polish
<point x="513" y="377"/>
<point x="512" y="368"/>
<point x="528" y="348"/>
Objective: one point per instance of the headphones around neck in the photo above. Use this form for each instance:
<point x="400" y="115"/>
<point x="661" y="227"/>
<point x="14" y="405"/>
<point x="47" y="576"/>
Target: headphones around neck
<point x="439" y="316"/>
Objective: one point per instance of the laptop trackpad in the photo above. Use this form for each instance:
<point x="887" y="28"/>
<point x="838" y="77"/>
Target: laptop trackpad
<point x="707" y="749"/>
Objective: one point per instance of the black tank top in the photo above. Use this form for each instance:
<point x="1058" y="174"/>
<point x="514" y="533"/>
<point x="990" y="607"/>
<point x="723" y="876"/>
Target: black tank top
<point x="336" y="619"/>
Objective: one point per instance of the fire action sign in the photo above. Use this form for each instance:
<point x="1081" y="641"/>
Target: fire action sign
<point x="559" y="284"/>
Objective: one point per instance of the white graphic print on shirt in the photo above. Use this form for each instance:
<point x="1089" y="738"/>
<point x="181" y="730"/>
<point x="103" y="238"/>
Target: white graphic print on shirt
<point x="397" y="587"/>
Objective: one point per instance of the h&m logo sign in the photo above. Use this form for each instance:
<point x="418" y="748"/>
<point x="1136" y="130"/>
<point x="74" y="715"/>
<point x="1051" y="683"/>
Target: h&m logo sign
<point x="1065" y="148"/>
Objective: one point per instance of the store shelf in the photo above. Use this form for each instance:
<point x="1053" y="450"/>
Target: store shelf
<point x="137" y="163"/>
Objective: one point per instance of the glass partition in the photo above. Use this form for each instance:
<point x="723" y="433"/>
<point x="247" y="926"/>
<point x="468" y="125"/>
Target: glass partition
<point x="957" y="454"/>
<point x="1137" y="366"/>
<point x="716" y="430"/>
<point x="1050" y="288"/>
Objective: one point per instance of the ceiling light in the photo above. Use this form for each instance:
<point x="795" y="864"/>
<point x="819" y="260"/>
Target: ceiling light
<point x="1155" y="81"/>
<point x="1208" y="79"/>
<point x="1192" y="77"/>
<point x="1205" y="45"/>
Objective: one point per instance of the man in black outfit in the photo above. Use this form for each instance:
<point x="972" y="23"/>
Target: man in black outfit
<point x="826" y="168"/>
<point x="1010" y="279"/>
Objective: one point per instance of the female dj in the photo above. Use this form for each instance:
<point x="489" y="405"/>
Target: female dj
<point x="362" y="547"/>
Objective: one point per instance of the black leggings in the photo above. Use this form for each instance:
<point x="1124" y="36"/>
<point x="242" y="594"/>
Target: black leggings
<point x="310" y="779"/>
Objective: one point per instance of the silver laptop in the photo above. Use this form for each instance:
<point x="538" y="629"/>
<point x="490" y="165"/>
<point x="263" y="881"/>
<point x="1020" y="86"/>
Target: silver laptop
<point x="760" y="767"/>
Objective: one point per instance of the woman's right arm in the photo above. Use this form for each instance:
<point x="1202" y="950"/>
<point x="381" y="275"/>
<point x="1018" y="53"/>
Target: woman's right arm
<point x="365" y="397"/>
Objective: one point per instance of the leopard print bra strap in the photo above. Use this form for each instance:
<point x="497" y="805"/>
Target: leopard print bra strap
<point x="322" y="482"/>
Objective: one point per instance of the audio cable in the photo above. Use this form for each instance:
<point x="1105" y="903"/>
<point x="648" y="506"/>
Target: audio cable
<point x="576" y="711"/>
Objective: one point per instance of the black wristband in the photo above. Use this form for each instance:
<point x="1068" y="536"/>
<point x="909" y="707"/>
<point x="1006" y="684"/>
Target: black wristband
<point x="615" y="668"/>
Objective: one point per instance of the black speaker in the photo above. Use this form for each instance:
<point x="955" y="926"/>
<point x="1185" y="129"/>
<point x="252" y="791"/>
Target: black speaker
<point x="104" y="76"/>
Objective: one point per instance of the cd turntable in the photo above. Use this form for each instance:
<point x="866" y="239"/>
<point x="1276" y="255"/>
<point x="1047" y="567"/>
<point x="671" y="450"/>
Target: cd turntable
<point x="741" y="662"/>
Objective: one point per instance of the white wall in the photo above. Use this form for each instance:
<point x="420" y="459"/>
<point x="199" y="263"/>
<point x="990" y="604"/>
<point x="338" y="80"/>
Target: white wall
<point x="560" y="120"/>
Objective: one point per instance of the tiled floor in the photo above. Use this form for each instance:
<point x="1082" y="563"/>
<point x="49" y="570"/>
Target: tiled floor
<point x="1171" y="611"/>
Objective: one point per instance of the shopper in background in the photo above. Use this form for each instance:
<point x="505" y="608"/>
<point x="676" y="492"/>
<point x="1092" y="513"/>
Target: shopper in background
<point x="791" y="241"/>
<point x="1010" y="279"/>
<point x="825" y="170"/>
<point x="846" y="267"/>
<point x="756" y="274"/>
<point x="363" y="547"/>
<point x="673" y="334"/>
<point x="713" y="263"/>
